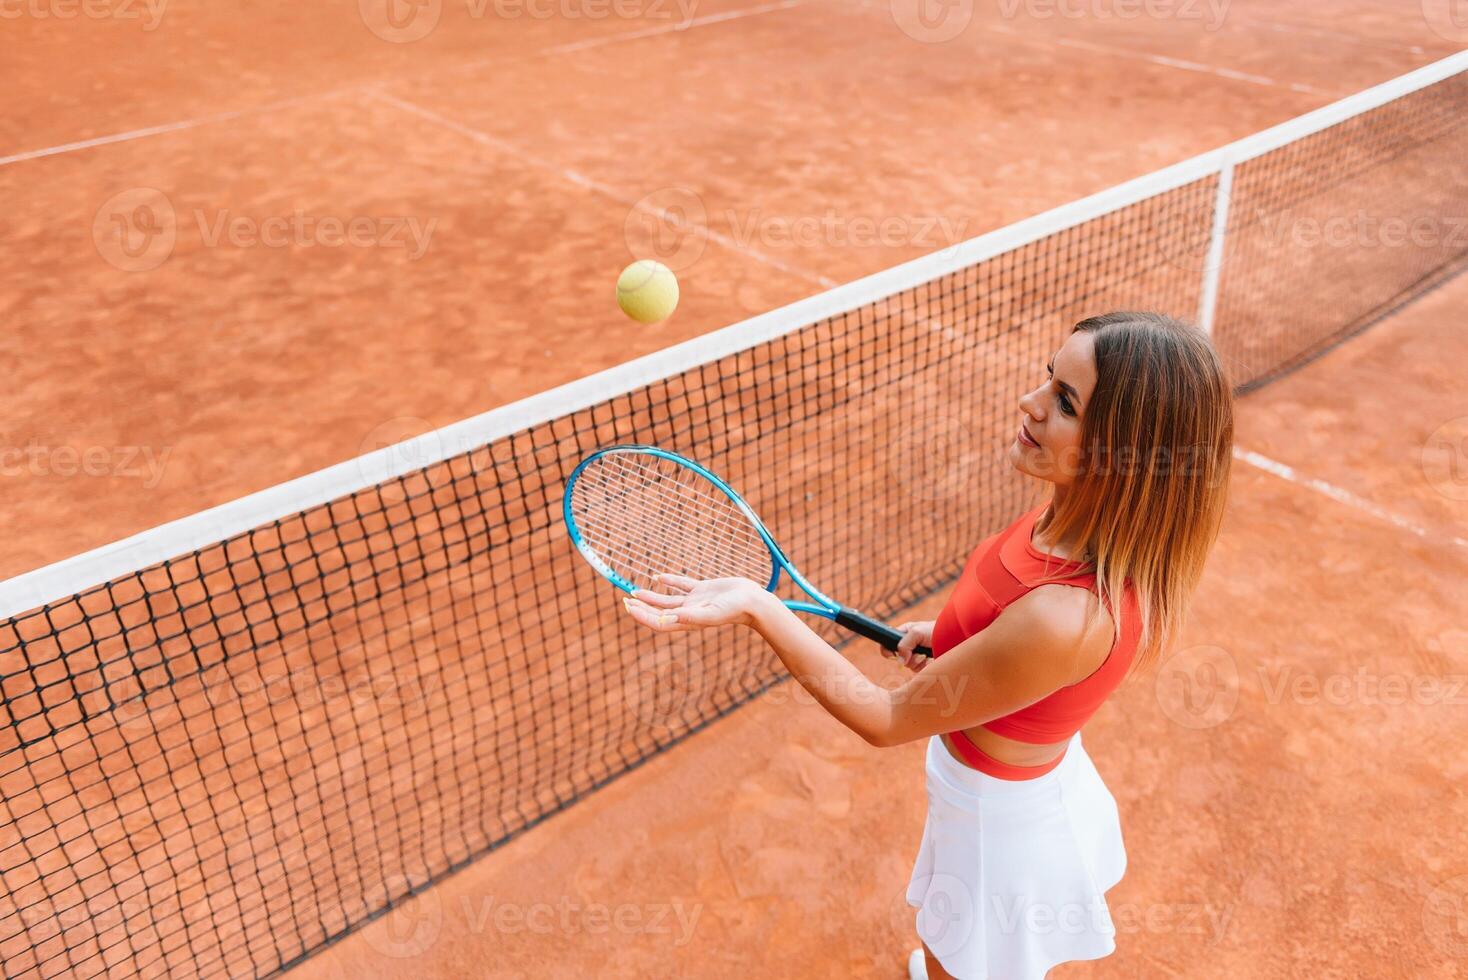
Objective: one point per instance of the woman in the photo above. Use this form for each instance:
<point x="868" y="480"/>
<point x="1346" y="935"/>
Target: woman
<point x="1133" y="429"/>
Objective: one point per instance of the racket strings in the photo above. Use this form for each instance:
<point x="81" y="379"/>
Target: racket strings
<point x="649" y="511"/>
<point x="715" y="508"/>
<point x="628" y="535"/>
<point x="644" y="515"/>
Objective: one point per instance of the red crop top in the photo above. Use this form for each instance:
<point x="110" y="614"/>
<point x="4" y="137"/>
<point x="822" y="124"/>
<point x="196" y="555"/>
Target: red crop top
<point x="1002" y="568"/>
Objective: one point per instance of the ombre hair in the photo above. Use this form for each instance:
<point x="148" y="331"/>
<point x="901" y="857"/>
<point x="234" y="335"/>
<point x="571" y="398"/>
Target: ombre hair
<point x="1152" y="479"/>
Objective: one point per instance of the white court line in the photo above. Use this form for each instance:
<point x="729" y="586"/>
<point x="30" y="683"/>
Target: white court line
<point x="672" y="28"/>
<point x="1157" y="59"/>
<point x="1343" y="496"/>
<point x="134" y="134"/>
<point x="1283" y="28"/>
<point x="605" y="190"/>
<point x="173" y="127"/>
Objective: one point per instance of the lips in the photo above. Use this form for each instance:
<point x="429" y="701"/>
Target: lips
<point x="1025" y="439"/>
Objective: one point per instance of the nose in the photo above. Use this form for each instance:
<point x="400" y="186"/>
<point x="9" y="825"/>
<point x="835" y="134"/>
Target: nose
<point x="1029" y="403"/>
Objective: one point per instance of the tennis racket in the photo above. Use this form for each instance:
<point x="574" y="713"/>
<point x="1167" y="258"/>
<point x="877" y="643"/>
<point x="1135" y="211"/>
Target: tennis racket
<point x="635" y="512"/>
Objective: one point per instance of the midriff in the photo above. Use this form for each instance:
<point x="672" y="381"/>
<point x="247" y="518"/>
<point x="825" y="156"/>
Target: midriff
<point x="1007" y="750"/>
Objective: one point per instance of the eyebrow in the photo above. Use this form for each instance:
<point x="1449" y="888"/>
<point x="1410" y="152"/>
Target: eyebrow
<point x="1075" y="396"/>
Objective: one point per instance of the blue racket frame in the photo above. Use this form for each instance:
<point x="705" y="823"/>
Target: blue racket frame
<point x="823" y="606"/>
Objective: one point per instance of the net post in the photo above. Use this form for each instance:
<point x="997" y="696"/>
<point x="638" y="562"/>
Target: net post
<point x="1213" y="265"/>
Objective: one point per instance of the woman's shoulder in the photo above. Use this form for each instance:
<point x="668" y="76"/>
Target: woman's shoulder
<point x="1072" y="618"/>
<point x="1063" y="602"/>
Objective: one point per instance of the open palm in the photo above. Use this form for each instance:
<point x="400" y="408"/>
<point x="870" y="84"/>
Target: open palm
<point x="690" y="604"/>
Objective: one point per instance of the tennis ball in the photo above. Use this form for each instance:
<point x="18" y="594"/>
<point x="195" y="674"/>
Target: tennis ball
<point x="647" y="291"/>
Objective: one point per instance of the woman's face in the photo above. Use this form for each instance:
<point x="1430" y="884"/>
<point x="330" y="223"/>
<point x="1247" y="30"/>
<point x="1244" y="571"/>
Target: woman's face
<point x="1048" y="443"/>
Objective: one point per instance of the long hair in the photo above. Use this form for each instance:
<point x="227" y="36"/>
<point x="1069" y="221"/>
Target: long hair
<point x="1157" y="440"/>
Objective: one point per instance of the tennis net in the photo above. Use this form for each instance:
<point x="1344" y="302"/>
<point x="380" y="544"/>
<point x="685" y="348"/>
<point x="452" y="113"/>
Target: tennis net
<point x="231" y="740"/>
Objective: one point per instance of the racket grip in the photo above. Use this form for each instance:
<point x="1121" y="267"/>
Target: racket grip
<point x="874" y="630"/>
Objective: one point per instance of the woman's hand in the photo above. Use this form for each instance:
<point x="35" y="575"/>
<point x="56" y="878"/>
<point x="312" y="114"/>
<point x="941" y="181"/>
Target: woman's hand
<point x="691" y="604"/>
<point x="913" y="636"/>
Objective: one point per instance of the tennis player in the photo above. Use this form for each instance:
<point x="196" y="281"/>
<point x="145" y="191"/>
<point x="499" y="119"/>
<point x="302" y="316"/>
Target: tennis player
<point x="1132" y="428"/>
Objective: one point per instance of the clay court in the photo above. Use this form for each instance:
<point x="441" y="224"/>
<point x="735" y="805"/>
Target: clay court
<point x="249" y="242"/>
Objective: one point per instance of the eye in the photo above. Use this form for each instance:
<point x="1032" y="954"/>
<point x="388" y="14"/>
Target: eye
<point x="1064" y="400"/>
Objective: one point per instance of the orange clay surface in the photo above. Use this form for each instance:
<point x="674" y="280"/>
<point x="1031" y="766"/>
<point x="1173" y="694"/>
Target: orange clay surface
<point x="496" y="166"/>
<point x="1284" y="814"/>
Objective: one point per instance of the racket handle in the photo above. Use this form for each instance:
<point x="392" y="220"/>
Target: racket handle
<point x="874" y="630"/>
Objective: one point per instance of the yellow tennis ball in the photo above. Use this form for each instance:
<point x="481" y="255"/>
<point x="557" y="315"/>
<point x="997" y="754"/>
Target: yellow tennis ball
<point x="647" y="291"/>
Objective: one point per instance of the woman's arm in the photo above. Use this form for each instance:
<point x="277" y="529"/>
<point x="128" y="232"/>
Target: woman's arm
<point x="1034" y="647"/>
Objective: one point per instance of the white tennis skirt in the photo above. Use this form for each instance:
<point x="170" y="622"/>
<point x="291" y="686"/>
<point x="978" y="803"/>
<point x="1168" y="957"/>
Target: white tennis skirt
<point x="1011" y="877"/>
